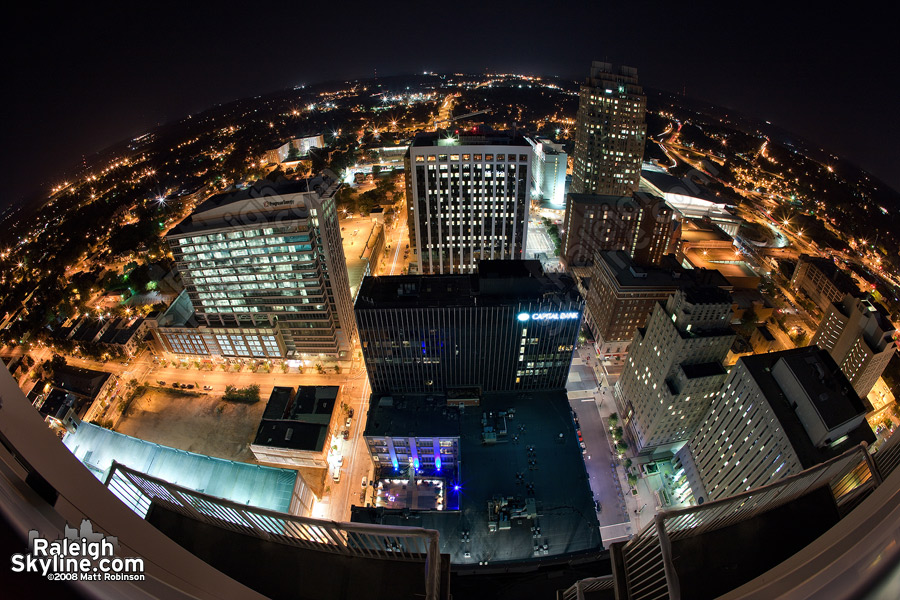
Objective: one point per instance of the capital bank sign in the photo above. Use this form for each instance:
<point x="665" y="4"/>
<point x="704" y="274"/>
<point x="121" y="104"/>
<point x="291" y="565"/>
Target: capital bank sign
<point x="547" y="316"/>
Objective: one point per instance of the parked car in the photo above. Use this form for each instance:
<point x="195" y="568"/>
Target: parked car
<point x="350" y="413"/>
<point x="161" y="382"/>
<point x="346" y="434"/>
<point x="364" y="482"/>
<point x="176" y="385"/>
<point x="347" y="423"/>
<point x="207" y="387"/>
<point x="190" y="386"/>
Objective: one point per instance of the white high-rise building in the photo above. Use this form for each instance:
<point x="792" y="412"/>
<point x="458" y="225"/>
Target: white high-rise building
<point x="675" y="368"/>
<point x="548" y="172"/>
<point x="860" y="338"/>
<point x="468" y="195"/>
<point x="778" y="414"/>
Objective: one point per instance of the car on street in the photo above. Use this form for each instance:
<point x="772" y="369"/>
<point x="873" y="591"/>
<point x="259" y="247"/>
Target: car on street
<point x="190" y="386"/>
<point x="346" y="434"/>
<point x="347" y="423"/>
<point x="176" y="385"/>
<point x="364" y="482"/>
<point x="207" y="387"/>
<point x="161" y="382"/>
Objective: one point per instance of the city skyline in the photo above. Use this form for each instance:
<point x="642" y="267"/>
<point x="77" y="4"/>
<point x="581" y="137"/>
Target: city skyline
<point x="454" y="326"/>
<point x="749" y="60"/>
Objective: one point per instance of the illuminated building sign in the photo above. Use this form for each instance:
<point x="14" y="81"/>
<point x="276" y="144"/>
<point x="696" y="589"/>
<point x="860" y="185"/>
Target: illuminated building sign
<point x="561" y="316"/>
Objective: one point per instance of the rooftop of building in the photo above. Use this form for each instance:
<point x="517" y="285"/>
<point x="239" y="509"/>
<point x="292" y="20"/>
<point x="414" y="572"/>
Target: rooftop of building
<point x="634" y="201"/>
<point x="765" y="333"/>
<point x="498" y="282"/>
<point x="669" y="274"/>
<point x="82" y="382"/>
<point x="669" y="184"/>
<point x="479" y="135"/>
<point x="58" y="401"/>
<point x="540" y="449"/>
<point x="411" y="416"/>
<point x="260" y="199"/>
<point x="760" y="368"/>
<point x="255" y="485"/>
<point x="702" y="230"/>
<point x="706" y="294"/>
<point x="606" y="75"/>
<point x="870" y="308"/>
<point x="832" y="395"/>
<point x="840" y="278"/>
<point x="297" y="421"/>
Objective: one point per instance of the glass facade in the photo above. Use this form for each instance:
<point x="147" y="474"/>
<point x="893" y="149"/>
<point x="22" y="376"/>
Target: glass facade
<point x="280" y="270"/>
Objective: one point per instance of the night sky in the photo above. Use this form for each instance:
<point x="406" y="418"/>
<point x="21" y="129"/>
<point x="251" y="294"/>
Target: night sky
<point x="80" y="78"/>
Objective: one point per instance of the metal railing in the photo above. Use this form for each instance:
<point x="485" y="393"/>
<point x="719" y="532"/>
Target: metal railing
<point x="138" y="491"/>
<point x="649" y="569"/>
<point x="591" y="584"/>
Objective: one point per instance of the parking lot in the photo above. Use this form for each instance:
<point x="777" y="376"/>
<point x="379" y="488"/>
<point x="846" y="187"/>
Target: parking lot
<point x="196" y="422"/>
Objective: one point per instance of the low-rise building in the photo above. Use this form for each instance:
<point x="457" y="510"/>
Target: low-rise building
<point x="298" y="429"/>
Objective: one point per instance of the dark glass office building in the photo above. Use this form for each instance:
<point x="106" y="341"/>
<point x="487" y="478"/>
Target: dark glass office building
<point x="509" y="327"/>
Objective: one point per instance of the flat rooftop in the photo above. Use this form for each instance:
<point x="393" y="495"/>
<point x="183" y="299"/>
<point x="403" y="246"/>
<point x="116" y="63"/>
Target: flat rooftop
<point x="261" y="199"/>
<point x="297" y="421"/>
<point x="84" y="382"/>
<point x="244" y="483"/>
<point x="480" y="135"/>
<point x="496" y="283"/>
<point x="695" y="230"/>
<point x="830" y="393"/>
<point x="539" y="458"/>
<point x="419" y="416"/>
<point x="760" y="367"/>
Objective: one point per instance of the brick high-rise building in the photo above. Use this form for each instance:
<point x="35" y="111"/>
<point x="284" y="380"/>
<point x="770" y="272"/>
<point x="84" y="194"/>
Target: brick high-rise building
<point x="642" y="225"/>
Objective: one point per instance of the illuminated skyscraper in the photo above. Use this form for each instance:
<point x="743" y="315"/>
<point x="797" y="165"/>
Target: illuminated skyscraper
<point x="469" y="192"/>
<point x="511" y="327"/>
<point x="265" y="271"/>
<point x="675" y="368"/>
<point x="859" y="336"/>
<point x="610" y="132"/>
<point x="778" y="414"/>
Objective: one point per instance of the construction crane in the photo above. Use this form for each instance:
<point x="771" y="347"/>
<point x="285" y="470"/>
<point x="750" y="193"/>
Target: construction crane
<point x="465" y="116"/>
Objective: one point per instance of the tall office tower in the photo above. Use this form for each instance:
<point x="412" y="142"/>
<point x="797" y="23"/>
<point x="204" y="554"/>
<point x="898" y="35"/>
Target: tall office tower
<point x="675" y="368"/>
<point x="548" y="172"/>
<point x="859" y="336"/>
<point x="642" y="225"/>
<point x="778" y="414"/>
<point x="469" y="192"/>
<point x="265" y="271"/>
<point x="610" y="132"/>
<point x="510" y="327"/>
<point x="622" y="295"/>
